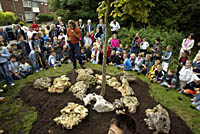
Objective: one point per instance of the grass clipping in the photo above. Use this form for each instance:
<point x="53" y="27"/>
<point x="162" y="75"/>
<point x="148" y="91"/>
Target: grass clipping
<point x="71" y="115"/>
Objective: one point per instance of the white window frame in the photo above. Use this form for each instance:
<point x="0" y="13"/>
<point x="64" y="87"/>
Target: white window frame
<point x="1" y="9"/>
<point x="28" y="3"/>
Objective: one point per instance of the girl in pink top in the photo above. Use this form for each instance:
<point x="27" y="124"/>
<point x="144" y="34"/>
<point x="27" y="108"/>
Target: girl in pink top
<point x="115" y="42"/>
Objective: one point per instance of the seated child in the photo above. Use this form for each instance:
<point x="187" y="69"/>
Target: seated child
<point x="121" y="48"/>
<point x="158" y="54"/>
<point x="52" y="60"/>
<point x="97" y="35"/>
<point x="196" y="65"/>
<point x="58" y="50"/>
<point x="196" y="101"/>
<point x="83" y="55"/>
<point x="132" y="58"/>
<point x="159" y="74"/>
<point x="23" y="46"/>
<point x="15" y="69"/>
<point x="138" y="63"/>
<point x="169" y="80"/>
<point x="34" y="58"/>
<point x="192" y="87"/>
<point x="182" y="61"/>
<point x="112" y="58"/>
<point x="95" y="55"/>
<point x="65" y="54"/>
<point x="118" y="58"/>
<point x="166" y="57"/>
<point x="127" y="66"/>
<point x="88" y="52"/>
<point x="151" y="72"/>
<point x="15" y="51"/>
<point x="25" y="67"/>
<point x="185" y="74"/>
<point x="146" y="64"/>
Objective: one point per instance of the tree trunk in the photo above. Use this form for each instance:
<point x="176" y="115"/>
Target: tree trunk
<point x="105" y="47"/>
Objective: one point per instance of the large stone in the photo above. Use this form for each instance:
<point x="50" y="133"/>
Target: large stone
<point x="113" y="82"/>
<point x="85" y="71"/>
<point x="101" y="104"/>
<point x="125" y="89"/>
<point x="131" y="103"/>
<point x="42" y="83"/>
<point x="79" y="89"/>
<point x="60" y="84"/>
<point x="89" y="79"/>
<point x="128" y="77"/>
<point x="71" y="115"/>
<point x="158" y="119"/>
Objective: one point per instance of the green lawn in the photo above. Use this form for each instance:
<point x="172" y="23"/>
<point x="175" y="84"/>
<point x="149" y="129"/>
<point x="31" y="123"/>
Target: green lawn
<point x="18" y="119"/>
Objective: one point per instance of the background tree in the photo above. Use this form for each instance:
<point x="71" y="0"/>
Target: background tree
<point x="121" y="8"/>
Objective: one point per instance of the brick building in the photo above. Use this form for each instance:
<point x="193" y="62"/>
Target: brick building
<point x="25" y="9"/>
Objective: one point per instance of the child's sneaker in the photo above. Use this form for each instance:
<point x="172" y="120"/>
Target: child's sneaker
<point x="196" y="103"/>
<point x="4" y="86"/>
<point x="36" y="71"/>
<point x="198" y="107"/>
<point x="12" y="84"/>
<point x="41" y="69"/>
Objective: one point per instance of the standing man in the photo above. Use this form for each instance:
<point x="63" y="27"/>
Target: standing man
<point x="74" y="35"/>
<point x="114" y="25"/>
<point x="89" y="27"/>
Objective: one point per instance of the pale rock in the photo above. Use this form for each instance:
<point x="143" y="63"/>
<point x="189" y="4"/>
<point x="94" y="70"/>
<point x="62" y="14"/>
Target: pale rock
<point x="128" y="77"/>
<point x="89" y="79"/>
<point x="98" y="87"/>
<point x="42" y="83"/>
<point x="59" y="85"/>
<point x="79" y="89"/>
<point x="125" y="89"/>
<point x="88" y="71"/>
<point x="113" y="82"/>
<point x="101" y="104"/>
<point x="71" y="115"/>
<point x="131" y="103"/>
<point x="158" y="119"/>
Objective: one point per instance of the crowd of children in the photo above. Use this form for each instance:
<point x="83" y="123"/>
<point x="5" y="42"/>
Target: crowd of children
<point x="49" y="48"/>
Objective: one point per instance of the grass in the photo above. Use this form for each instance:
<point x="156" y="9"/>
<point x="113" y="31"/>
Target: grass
<point x="17" y="118"/>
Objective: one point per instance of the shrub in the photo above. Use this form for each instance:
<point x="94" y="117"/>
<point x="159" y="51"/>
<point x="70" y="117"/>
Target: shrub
<point x="45" y="18"/>
<point x="7" y="18"/>
<point x="171" y="37"/>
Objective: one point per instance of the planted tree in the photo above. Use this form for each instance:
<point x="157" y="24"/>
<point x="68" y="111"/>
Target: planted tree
<point x="138" y="9"/>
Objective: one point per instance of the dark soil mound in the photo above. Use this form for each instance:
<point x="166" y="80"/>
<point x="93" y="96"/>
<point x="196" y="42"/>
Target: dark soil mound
<point x="49" y="105"/>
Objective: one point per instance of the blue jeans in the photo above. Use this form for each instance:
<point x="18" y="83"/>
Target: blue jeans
<point x="35" y="66"/>
<point x="75" y="49"/>
<point x="58" y="56"/>
<point x="6" y="73"/>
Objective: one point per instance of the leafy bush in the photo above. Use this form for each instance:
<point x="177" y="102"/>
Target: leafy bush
<point x="171" y="37"/>
<point x="7" y="18"/>
<point x="45" y="18"/>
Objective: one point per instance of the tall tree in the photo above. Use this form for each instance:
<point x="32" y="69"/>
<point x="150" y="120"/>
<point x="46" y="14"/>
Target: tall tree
<point x="139" y="9"/>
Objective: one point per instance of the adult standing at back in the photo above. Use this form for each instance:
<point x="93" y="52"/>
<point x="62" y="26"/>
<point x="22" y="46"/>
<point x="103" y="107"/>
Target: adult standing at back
<point x="74" y="35"/>
<point x="101" y="28"/>
<point x="60" y="26"/>
<point x="89" y="27"/>
<point x="187" y="44"/>
<point x="114" y="25"/>
<point x="35" y="26"/>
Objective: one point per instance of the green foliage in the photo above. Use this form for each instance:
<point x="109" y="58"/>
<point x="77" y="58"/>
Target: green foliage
<point x="170" y="37"/>
<point x="182" y="15"/>
<point x="45" y="18"/>
<point x="7" y="18"/>
<point x="138" y="9"/>
<point x="75" y="9"/>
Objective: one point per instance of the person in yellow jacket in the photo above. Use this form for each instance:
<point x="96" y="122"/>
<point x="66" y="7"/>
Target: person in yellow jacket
<point x="151" y="72"/>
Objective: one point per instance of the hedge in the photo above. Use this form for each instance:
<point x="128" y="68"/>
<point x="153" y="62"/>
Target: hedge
<point x="7" y="18"/>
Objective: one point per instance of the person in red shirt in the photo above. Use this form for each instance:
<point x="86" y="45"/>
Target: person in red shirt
<point x="35" y="26"/>
<point x="74" y="35"/>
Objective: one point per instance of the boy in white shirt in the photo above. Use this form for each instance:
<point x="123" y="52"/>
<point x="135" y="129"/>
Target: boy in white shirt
<point x="185" y="74"/>
<point x="25" y="67"/>
<point x="52" y="60"/>
<point x="144" y="45"/>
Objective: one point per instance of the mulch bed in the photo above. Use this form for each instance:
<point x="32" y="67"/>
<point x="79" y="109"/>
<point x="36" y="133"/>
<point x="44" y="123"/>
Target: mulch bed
<point x="49" y="105"/>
